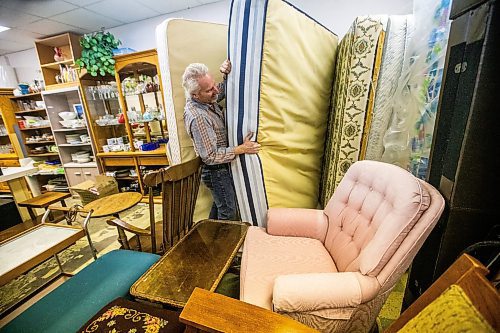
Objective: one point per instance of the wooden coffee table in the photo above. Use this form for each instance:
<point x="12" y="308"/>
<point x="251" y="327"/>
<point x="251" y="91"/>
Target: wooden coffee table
<point x="199" y="259"/>
<point x="33" y="246"/>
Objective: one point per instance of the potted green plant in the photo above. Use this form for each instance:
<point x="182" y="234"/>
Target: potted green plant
<point x="97" y="53"/>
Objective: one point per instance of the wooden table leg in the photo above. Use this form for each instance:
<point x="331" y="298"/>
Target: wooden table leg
<point x="32" y="214"/>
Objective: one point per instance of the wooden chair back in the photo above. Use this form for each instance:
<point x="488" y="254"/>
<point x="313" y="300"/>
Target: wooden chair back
<point x="470" y="275"/>
<point x="179" y="190"/>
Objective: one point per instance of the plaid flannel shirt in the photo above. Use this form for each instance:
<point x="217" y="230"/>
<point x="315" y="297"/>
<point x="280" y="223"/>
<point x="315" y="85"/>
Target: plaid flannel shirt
<point x="205" y="124"/>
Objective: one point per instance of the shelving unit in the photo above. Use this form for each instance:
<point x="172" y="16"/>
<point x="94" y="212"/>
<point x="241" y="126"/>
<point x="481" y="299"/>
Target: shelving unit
<point x="33" y="135"/>
<point x="11" y="150"/>
<point x="53" y="74"/>
<point x="36" y="137"/>
<point x="63" y="100"/>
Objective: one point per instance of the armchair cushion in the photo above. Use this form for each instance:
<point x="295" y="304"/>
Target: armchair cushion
<point x="318" y="291"/>
<point x="266" y="257"/>
<point x="371" y="213"/>
<point x="300" y="222"/>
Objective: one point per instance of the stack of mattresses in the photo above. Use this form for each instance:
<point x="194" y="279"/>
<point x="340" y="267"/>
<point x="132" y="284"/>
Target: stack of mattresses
<point x="397" y="36"/>
<point x="368" y="67"/>
<point x="207" y="43"/>
<point x="280" y="89"/>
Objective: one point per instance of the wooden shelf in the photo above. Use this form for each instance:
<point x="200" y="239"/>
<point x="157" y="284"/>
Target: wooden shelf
<point x="70" y="129"/>
<point x="25" y="96"/>
<point x="43" y="155"/>
<point x="55" y="65"/>
<point x="39" y="142"/>
<point x="29" y="111"/>
<point x="33" y="128"/>
<point x="74" y="144"/>
<point x="160" y="151"/>
<point x="61" y="85"/>
<point x="8" y="156"/>
<point x="126" y="178"/>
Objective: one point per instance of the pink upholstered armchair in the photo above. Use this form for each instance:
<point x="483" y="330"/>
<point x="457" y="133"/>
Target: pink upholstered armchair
<point x="333" y="269"/>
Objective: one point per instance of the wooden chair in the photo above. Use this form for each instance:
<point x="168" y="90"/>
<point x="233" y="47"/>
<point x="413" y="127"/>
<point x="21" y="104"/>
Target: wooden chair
<point x="206" y="311"/>
<point x="179" y="189"/>
<point x="470" y="275"/>
<point x="70" y="216"/>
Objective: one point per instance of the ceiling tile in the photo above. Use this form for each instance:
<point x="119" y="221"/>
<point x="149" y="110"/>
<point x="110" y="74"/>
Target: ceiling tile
<point x="49" y="27"/>
<point x="12" y="18"/>
<point x="20" y="36"/>
<point x="14" y="46"/>
<point x="44" y="8"/>
<point x="129" y="10"/>
<point x="86" y="19"/>
<point x="170" y="6"/>
<point x="83" y="3"/>
<point x="204" y="2"/>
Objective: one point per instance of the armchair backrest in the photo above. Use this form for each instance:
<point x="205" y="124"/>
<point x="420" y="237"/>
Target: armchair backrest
<point x="179" y="189"/>
<point x="372" y="213"/>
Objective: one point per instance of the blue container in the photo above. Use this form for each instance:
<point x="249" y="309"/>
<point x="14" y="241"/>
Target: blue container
<point x="25" y="88"/>
<point x="150" y="146"/>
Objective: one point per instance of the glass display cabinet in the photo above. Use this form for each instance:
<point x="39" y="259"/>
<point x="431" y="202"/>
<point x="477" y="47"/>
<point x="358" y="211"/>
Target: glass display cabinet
<point x="139" y="88"/>
<point x="128" y="119"/>
<point x="106" y="123"/>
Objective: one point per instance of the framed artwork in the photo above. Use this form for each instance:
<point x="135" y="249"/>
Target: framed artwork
<point x="79" y="110"/>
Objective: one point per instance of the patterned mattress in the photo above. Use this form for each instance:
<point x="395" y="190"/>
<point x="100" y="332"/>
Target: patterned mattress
<point x="356" y="75"/>
<point x="207" y="44"/>
<point x="280" y="89"/>
<point x="396" y="40"/>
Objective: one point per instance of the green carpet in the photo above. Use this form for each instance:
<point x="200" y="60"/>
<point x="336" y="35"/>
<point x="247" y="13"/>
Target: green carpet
<point x="392" y="307"/>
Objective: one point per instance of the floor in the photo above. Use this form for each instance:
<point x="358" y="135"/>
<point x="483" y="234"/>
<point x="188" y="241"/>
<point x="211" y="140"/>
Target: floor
<point x="104" y="238"/>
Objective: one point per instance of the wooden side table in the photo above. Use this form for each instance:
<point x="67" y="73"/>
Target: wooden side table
<point x="43" y="201"/>
<point x="199" y="259"/>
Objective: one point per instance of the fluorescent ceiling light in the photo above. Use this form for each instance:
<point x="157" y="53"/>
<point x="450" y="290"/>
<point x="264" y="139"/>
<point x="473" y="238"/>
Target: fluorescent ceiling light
<point x="2" y="28"/>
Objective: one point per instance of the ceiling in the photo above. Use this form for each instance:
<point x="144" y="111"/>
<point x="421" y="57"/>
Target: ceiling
<point x="32" y="19"/>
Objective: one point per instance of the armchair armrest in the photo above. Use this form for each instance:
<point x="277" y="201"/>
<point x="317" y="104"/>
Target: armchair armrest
<point x="299" y="222"/>
<point x="210" y="312"/>
<point x="318" y="291"/>
<point x="128" y="227"/>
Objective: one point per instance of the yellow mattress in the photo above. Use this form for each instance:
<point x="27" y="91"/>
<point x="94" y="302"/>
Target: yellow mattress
<point x="180" y="42"/>
<point x="280" y="89"/>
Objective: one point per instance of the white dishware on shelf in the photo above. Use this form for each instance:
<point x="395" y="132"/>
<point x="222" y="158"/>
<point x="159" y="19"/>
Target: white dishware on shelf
<point x="66" y="123"/>
<point x="67" y="115"/>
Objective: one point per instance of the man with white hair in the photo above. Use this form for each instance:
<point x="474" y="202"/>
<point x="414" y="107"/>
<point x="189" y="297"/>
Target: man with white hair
<point x="205" y="123"/>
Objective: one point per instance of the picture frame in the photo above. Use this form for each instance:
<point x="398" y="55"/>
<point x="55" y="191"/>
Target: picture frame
<point x="78" y="108"/>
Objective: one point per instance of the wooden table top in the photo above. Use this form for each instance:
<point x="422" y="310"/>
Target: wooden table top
<point x="33" y="246"/>
<point x="113" y="204"/>
<point x="45" y="199"/>
<point x="211" y="312"/>
<point x="200" y="259"/>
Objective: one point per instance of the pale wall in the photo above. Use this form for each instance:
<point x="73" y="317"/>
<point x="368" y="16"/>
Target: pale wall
<point x="336" y="15"/>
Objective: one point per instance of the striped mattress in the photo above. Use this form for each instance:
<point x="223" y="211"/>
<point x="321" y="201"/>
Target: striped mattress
<point x="279" y="89"/>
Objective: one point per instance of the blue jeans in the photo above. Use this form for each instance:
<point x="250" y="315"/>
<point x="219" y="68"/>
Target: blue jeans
<point x="219" y="181"/>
